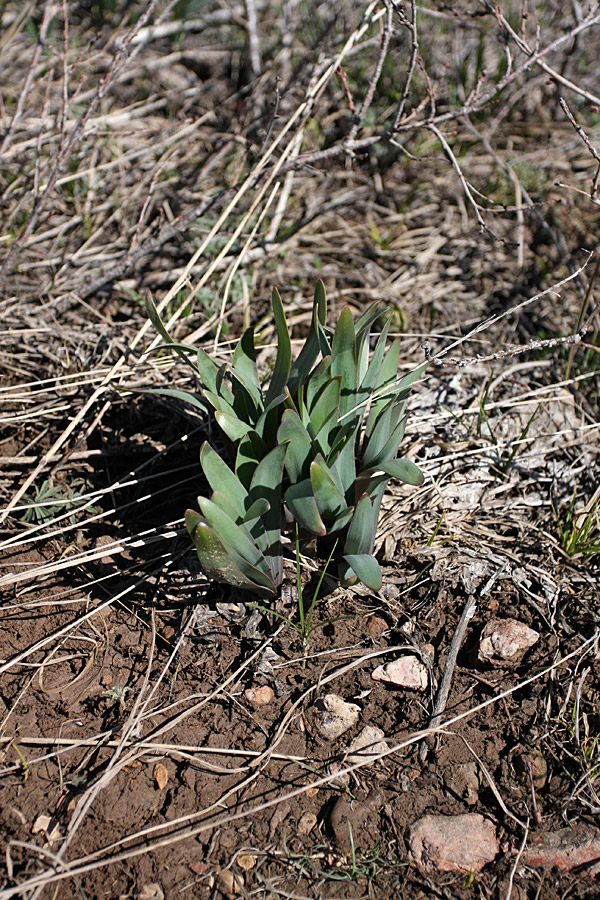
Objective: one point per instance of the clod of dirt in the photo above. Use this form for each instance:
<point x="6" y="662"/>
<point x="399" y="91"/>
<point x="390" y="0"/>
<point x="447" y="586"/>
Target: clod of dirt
<point x="246" y="861"/>
<point x="407" y="671"/>
<point x="533" y="764"/>
<point x="464" y="843"/>
<point x="306" y="824"/>
<point x="366" y="745"/>
<point x="331" y="716"/>
<point x="565" y="849"/>
<point x="260" y="696"/>
<point x="348" y="818"/>
<point x="505" y="641"/>
<point x="463" y="781"/>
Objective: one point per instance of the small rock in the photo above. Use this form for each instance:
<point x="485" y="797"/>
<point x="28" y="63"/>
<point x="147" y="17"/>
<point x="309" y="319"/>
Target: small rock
<point x="347" y="819"/>
<point x="152" y="891"/>
<point x="407" y="671"/>
<point x="306" y="824"/>
<point x="198" y="867"/>
<point x="260" y="696"/>
<point x="464" y="843"/>
<point x="463" y="781"/>
<point x="161" y="776"/>
<point x="505" y="641"/>
<point x="565" y="849"/>
<point x="332" y="716"/>
<point x="246" y="861"/>
<point x="366" y="745"/>
<point x="229" y="883"/>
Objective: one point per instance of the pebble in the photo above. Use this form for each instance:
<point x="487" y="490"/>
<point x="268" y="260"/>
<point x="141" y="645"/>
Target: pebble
<point x="332" y="716"/>
<point x="369" y="743"/>
<point x="260" y="696"/>
<point x="505" y="641"/>
<point x="464" y="843"/>
<point x="407" y="671"/>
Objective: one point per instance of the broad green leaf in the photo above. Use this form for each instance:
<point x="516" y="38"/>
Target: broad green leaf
<point x="218" y="563"/>
<point x="327" y="492"/>
<point x="325" y="405"/>
<point x="299" y="447"/>
<point x="283" y="360"/>
<point x="208" y="370"/>
<point x="256" y="510"/>
<point x="231" y="426"/>
<point x="343" y="360"/>
<point x="363" y="331"/>
<point x="306" y="359"/>
<point x="344" y="462"/>
<point x="389" y="449"/>
<point x="402" y="469"/>
<point x="301" y="503"/>
<point x="233" y="536"/>
<point x="319" y="378"/>
<point x="192" y="520"/>
<point x="243" y="366"/>
<point x="365" y="567"/>
<point x="369" y="381"/>
<point x="251" y="449"/>
<point x="266" y="485"/>
<point x="385" y="384"/>
<point x="361" y="534"/>
<point x="379" y="437"/>
<point x="221" y="478"/>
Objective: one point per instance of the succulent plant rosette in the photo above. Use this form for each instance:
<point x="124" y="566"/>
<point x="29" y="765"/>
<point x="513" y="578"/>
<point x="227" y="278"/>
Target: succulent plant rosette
<point x="319" y="439"/>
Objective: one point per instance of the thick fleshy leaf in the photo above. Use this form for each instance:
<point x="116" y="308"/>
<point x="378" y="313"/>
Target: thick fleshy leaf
<point x="388" y="450"/>
<point x="251" y="449"/>
<point x="212" y="375"/>
<point x="380" y="435"/>
<point x="361" y="534"/>
<point x="299" y="445"/>
<point x="234" y="537"/>
<point x="307" y="357"/>
<point x="365" y="567"/>
<point x="218" y="564"/>
<point x="402" y="469"/>
<point x="283" y="360"/>
<point x="343" y="359"/>
<point x="326" y="404"/>
<point x="319" y="378"/>
<point x="342" y="459"/>
<point x="221" y="478"/>
<point x="385" y="384"/>
<point x="266" y="485"/>
<point x="327" y="491"/>
<point x="231" y="426"/>
<point x="256" y="510"/>
<point x="303" y="507"/>
<point x="243" y="366"/>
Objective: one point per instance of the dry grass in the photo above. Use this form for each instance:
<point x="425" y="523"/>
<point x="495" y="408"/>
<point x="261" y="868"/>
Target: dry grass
<point x="206" y="152"/>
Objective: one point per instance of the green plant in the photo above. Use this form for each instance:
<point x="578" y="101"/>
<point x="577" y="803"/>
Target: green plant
<point x="49" y="501"/>
<point x="332" y="420"/>
<point x="303" y="627"/>
<point x="579" y="536"/>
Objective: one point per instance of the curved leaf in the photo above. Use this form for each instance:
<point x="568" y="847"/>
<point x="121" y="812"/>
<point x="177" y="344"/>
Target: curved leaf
<point x="307" y="357"/>
<point x="230" y="425"/>
<point x="327" y="492"/>
<point x="301" y="503"/>
<point x="221" y="478"/>
<point x="402" y="469"/>
<point x="283" y="360"/>
<point x="218" y="563"/>
<point x="343" y="359"/>
<point x="266" y="486"/>
<point x="300" y="448"/>
<point x="365" y="567"/>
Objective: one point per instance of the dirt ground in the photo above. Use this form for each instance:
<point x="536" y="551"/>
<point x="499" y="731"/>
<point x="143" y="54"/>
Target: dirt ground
<point x="137" y="759"/>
